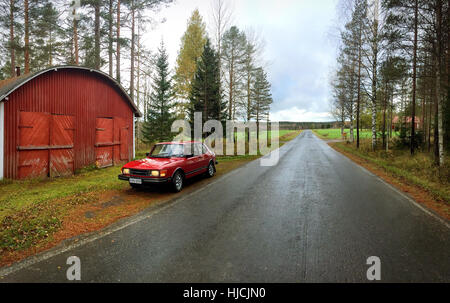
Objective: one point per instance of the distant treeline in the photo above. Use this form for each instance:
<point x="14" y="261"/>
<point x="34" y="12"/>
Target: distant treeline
<point x="307" y="125"/>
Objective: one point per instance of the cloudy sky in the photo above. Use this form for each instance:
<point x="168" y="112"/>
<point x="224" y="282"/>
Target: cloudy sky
<point x="299" y="52"/>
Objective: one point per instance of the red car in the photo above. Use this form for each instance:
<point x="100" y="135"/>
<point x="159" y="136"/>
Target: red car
<point x="171" y="163"/>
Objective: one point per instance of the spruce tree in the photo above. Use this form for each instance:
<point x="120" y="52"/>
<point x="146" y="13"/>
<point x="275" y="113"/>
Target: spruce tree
<point x="205" y="94"/>
<point x="159" y="118"/>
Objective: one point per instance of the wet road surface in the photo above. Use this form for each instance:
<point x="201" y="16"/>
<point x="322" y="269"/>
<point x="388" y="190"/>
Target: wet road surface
<point x="314" y="217"/>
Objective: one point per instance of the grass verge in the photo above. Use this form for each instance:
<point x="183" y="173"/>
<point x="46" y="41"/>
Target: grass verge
<point x="335" y="134"/>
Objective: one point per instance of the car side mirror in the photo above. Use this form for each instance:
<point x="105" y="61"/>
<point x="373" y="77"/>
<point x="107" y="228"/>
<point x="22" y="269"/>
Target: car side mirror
<point x="147" y="154"/>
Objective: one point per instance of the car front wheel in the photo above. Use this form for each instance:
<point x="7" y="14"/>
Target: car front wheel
<point x="211" y="170"/>
<point x="177" y="182"/>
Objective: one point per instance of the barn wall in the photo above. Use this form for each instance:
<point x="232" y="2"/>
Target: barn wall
<point x="82" y="94"/>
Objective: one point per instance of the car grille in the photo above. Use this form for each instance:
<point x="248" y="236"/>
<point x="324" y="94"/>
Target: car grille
<point x="139" y="172"/>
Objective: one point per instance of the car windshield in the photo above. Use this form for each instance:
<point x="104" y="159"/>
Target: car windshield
<point x="166" y="150"/>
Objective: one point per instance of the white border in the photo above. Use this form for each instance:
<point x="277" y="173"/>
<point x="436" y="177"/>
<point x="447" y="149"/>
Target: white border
<point x="2" y="139"/>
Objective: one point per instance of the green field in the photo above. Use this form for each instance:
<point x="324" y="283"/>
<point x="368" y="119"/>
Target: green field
<point x="332" y="134"/>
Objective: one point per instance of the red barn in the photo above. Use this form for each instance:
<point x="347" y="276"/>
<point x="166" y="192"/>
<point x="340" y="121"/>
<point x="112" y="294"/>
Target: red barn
<point x="61" y="119"/>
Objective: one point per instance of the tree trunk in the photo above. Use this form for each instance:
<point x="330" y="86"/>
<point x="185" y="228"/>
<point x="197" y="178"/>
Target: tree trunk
<point x="110" y="38"/>
<point x="138" y="59"/>
<point x="440" y="145"/>
<point x="374" y="77"/>
<point x="97" y="34"/>
<point x="27" y="38"/>
<point x="230" y="101"/>
<point x="50" y="49"/>
<point x="138" y="84"/>
<point x="118" y="43"/>
<point x="414" y="80"/>
<point x="358" y="101"/>
<point x="430" y="116"/>
<point x="384" y="116"/>
<point x="11" y="39"/>
<point x="75" y="37"/>
<point x="249" y="116"/>
<point x="133" y="42"/>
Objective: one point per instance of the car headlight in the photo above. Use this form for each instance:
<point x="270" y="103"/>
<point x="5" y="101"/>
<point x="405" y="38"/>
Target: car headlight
<point x="154" y="173"/>
<point x="126" y="171"/>
<point x="163" y="173"/>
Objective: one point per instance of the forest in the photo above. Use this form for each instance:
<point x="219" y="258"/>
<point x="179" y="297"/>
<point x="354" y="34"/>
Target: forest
<point x="220" y="73"/>
<point x="393" y="74"/>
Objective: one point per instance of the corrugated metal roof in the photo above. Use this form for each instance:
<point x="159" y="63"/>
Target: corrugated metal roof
<point x="10" y="85"/>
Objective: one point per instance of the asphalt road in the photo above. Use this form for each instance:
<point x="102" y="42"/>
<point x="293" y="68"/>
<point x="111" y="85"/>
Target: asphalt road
<point x="315" y="217"/>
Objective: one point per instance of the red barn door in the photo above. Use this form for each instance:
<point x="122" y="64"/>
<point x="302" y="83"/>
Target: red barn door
<point x="104" y="142"/>
<point x="34" y="137"/>
<point x="124" y="152"/>
<point x="61" y="142"/>
<point x="45" y="145"/>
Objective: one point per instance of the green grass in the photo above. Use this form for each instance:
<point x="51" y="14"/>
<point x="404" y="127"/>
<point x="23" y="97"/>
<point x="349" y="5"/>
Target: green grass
<point x="17" y="195"/>
<point x="241" y="135"/>
<point x="333" y="134"/>
<point x="32" y="210"/>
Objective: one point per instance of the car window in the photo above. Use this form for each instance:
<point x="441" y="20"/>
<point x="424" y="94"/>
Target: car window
<point x="198" y="149"/>
<point x="205" y="148"/>
<point x="167" y="150"/>
<point x="188" y="149"/>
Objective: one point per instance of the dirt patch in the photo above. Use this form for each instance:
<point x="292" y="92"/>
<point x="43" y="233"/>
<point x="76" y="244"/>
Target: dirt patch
<point x="420" y="195"/>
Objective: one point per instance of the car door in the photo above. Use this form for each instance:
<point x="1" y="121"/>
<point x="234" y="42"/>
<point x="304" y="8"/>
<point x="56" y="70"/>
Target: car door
<point x="190" y="164"/>
<point x="205" y="156"/>
<point x="198" y="159"/>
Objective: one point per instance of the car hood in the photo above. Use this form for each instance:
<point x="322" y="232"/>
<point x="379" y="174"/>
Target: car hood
<point x="152" y="163"/>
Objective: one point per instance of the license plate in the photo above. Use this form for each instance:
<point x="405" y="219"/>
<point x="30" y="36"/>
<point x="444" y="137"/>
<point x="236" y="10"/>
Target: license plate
<point x="135" y="181"/>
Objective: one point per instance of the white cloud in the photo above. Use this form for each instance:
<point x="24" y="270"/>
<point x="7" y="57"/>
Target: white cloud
<point x="297" y="47"/>
<point x="295" y="114"/>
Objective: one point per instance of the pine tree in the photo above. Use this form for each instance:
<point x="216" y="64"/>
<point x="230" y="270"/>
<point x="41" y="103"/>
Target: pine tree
<point x="262" y="97"/>
<point x="233" y="52"/>
<point x="205" y="94"/>
<point x="46" y="43"/>
<point x="159" y="118"/>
